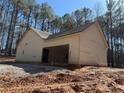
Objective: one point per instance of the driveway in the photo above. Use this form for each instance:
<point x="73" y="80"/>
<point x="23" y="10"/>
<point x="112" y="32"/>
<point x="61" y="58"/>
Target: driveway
<point x="8" y="65"/>
<point x="20" y="70"/>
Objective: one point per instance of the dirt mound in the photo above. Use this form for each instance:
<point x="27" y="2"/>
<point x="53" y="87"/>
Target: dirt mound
<point x="40" y="79"/>
<point x="85" y="80"/>
<point x="66" y="78"/>
<point x="56" y="90"/>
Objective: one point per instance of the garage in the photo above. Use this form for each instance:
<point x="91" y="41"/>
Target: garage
<point x="56" y="54"/>
<point x="84" y="47"/>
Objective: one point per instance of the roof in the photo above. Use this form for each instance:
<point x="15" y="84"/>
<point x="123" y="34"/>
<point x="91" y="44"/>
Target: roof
<point x="47" y="35"/>
<point x="64" y="33"/>
<point x="42" y="34"/>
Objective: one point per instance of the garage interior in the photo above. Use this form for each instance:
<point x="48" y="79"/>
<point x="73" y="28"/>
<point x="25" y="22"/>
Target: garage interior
<point x="56" y="54"/>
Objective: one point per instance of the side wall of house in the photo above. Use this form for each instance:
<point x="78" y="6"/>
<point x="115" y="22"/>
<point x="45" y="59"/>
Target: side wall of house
<point x="92" y="48"/>
<point x="29" y="48"/>
<point x="72" y="40"/>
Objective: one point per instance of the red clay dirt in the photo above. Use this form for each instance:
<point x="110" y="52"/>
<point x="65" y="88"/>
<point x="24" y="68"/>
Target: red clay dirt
<point x="83" y="80"/>
<point x="4" y="59"/>
<point x="88" y="79"/>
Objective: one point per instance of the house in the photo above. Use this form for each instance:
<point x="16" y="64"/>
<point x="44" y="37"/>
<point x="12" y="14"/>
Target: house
<point x="86" y="46"/>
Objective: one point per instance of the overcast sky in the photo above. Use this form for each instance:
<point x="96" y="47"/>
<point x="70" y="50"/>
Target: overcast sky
<point x="67" y="6"/>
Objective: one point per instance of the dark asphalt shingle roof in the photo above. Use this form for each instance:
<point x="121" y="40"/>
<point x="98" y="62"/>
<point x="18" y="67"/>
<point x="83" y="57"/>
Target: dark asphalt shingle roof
<point x="64" y="33"/>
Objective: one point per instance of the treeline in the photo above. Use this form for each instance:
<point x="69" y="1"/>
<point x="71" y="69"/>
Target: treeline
<point x="16" y="16"/>
<point x="114" y="30"/>
<point x="112" y="23"/>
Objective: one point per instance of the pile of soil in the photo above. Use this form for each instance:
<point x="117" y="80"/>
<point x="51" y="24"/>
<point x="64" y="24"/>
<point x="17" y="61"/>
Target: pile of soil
<point x="39" y="79"/>
<point x="85" y="80"/>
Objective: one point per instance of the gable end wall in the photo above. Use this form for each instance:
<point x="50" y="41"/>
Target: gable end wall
<point x="29" y="49"/>
<point x="92" y="47"/>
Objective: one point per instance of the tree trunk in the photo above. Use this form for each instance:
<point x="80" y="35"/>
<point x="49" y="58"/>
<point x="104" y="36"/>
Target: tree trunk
<point x="12" y="33"/>
<point x="35" y="25"/>
<point x="9" y="32"/>
<point x="42" y="27"/>
<point x="28" y="20"/>
<point x="3" y="28"/>
<point x="48" y="26"/>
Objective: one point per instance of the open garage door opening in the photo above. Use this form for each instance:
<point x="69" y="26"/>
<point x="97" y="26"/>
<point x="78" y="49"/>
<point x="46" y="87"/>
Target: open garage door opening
<point x="56" y="54"/>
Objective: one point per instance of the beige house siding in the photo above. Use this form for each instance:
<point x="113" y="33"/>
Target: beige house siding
<point x="33" y="51"/>
<point x="92" y="48"/>
<point x="72" y="40"/>
<point x="29" y="49"/>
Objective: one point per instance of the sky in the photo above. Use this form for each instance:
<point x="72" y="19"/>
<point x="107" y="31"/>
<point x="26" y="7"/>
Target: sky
<point x="61" y="7"/>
